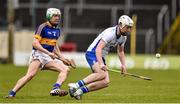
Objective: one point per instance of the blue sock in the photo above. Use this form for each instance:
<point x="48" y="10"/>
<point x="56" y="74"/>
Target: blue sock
<point x="81" y="83"/>
<point x="56" y="85"/>
<point x="84" y="89"/>
<point x="12" y="93"/>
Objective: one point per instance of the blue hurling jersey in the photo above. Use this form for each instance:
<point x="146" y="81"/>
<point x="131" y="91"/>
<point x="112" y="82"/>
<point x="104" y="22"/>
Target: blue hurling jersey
<point x="47" y="36"/>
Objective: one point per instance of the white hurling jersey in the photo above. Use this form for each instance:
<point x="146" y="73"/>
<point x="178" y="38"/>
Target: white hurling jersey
<point x="109" y="36"/>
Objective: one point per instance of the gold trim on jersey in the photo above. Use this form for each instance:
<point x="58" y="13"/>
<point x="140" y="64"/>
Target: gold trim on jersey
<point x="37" y="36"/>
<point x="51" y="42"/>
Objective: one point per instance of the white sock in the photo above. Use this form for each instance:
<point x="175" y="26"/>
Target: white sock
<point x="77" y="85"/>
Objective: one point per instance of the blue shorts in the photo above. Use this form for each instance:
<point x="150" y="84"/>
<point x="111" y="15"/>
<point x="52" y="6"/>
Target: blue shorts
<point x="91" y="58"/>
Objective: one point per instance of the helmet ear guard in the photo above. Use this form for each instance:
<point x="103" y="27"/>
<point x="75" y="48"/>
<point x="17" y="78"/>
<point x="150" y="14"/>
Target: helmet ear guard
<point x="48" y="16"/>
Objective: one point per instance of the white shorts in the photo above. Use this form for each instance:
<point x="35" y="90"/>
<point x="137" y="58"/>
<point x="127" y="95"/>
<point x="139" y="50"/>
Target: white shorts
<point x="42" y="57"/>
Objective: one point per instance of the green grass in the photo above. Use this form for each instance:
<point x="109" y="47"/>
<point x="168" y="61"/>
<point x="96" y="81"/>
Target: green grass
<point x="165" y="87"/>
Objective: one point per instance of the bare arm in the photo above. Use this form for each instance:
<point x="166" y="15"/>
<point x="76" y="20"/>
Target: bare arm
<point x="38" y="46"/>
<point x="61" y="57"/>
<point x="99" y="48"/>
<point x="58" y="53"/>
<point x="120" y="51"/>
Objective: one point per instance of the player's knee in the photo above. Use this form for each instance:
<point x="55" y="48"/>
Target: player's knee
<point x="101" y="75"/>
<point x="65" y="70"/>
<point x="106" y="83"/>
<point x="68" y="70"/>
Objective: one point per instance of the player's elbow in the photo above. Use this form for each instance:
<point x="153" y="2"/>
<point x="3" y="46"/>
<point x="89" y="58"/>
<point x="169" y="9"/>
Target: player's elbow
<point x="35" y="43"/>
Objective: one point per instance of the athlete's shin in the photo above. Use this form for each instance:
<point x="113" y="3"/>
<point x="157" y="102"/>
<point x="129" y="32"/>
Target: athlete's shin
<point x="94" y="77"/>
<point x="98" y="85"/>
<point x="21" y="82"/>
<point x="62" y="76"/>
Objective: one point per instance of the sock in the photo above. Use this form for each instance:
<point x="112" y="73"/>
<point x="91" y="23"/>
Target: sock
<point x="12" y="93"/>
<point x="84" y="89"/>
<point x="56" y="85"/>
<point x="80" y="83"/>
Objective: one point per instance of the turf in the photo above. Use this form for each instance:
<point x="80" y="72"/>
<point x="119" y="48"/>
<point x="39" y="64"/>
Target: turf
<point x="164" y="88"/>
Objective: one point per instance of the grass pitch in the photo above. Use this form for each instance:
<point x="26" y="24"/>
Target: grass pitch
<point x="164" y="88"/>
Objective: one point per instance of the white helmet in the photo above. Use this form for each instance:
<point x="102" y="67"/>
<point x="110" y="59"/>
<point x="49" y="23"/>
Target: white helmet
<point x="51" y="11"/>
<point x="125" y="21"/>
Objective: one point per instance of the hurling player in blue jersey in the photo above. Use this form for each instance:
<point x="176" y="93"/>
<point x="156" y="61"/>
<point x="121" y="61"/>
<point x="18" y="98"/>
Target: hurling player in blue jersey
<point x="44" y="54"/>
<point x="95" y="56"/>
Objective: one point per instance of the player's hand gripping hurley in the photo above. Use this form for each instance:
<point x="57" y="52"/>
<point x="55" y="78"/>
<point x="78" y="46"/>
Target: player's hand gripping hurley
<point x="68" y="62"/>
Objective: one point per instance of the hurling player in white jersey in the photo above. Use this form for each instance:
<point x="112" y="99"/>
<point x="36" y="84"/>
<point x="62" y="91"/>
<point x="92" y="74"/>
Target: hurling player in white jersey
<point x="95" y="56"/>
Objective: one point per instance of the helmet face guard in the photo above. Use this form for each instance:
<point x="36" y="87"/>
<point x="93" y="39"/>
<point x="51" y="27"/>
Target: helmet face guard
<point x="52" y="11"/>
<point x="125" y="21"/>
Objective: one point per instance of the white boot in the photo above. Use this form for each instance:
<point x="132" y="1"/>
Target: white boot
<point x="72" y="89"/>
<point x="78" y="94"/>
